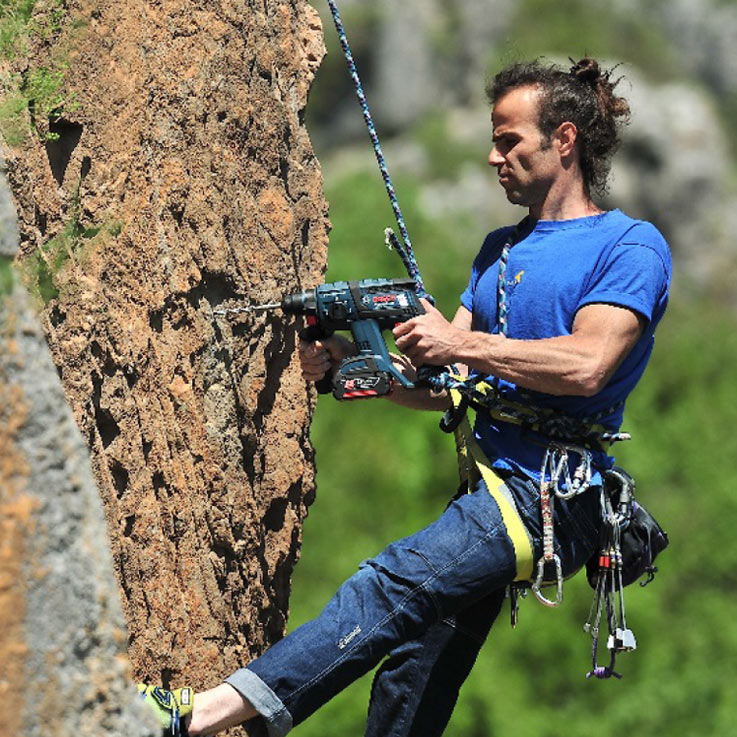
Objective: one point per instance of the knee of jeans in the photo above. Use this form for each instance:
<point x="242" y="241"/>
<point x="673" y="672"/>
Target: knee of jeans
<point x="394" y="582"/>
<point x="401" y="562"/>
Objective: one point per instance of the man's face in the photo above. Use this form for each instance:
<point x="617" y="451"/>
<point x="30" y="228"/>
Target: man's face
<point x="526" y="163"/>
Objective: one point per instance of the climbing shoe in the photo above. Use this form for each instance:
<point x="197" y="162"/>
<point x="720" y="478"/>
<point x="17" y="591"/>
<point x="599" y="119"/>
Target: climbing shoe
<point x="171" y="707"/>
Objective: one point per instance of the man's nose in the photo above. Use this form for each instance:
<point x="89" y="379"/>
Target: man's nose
<point x="495" y="158"/>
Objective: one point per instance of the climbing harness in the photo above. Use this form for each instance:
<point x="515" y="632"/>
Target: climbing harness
<point x="566" y="471"/>
<point x="473" y="465"/>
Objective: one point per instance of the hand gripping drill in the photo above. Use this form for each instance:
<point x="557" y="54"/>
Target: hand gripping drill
<point x="364" y="307"/>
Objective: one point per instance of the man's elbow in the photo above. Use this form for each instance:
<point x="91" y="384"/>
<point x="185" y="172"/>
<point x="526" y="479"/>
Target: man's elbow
<point x="592" y="377"/>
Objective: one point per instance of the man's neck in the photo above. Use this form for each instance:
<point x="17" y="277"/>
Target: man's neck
<point x="565" y="204"/>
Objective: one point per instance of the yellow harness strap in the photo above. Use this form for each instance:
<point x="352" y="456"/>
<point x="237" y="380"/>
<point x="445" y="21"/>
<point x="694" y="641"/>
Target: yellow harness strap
<point x="472" y="465"/>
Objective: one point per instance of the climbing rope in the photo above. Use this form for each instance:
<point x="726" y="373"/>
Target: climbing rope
<point x="501" y="290"/>
<point x="403" y="248"/>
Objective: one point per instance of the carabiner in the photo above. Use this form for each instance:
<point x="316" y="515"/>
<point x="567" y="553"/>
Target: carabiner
<point x="536" y="587"/>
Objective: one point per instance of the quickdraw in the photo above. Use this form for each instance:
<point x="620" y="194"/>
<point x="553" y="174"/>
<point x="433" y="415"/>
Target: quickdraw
<point x="555" y="467"/>
<point x="609" y="591"/>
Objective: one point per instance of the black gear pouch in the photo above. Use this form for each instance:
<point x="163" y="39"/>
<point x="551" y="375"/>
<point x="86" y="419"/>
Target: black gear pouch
<point x="642" y="539"/>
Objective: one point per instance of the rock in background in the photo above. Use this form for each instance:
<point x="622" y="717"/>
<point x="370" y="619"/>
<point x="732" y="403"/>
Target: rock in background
<point x="62" y="633"/>
<point x="160" y="169"/>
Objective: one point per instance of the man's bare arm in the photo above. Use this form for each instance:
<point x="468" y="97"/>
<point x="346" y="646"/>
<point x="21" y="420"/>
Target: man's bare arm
<point x="578" y="364"/>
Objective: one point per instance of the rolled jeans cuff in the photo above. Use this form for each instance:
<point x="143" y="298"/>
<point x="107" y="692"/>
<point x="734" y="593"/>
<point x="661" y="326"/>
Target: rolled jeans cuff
<point x="277" y="718"/>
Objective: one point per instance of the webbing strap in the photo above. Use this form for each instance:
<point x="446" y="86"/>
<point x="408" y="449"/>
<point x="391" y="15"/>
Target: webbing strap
<point x="546" y="422"/>
<point x="473" y="464"/>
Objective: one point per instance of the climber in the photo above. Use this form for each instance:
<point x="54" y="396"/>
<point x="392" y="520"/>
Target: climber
<point x="559" y="314"/>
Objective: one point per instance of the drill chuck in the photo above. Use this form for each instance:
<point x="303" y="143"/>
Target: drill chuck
<point x="300" y="303"/>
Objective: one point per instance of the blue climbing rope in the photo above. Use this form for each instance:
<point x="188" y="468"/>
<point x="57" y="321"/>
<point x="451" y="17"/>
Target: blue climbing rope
<point x="403" y="247"/>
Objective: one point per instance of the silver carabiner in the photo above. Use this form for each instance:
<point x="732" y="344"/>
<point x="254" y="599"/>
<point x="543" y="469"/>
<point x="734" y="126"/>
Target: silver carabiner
<point x="536" y="587"/>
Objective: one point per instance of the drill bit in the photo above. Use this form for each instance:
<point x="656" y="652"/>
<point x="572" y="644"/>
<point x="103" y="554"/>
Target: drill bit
<point x="247" y="308"/>
<point x="263" y="307"/>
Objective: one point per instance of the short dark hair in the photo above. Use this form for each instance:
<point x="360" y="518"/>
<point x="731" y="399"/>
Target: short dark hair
<point x="583" y="95"/>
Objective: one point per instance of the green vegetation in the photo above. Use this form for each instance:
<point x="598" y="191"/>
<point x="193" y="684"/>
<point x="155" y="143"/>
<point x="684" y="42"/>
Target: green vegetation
<point x="557" y="28"/>
<point x="43" y="266"/>
<point x="362" y="18"/>
<point x="445" y="158"/>
<point x="7" y="276"/>
<point x="13" y="118"/>
<point x="43" y="91"/>
<point x="15" y="16"/>
<point x="42" y="270"/>
<point x="38" y="93"/>
<point x="23" y="19"/>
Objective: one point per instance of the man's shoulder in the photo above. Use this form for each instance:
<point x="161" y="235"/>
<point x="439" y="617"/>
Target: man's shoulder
<point x="498" y="236"/>
<point x="643" y="233"/>
<point x="493" y="244"/>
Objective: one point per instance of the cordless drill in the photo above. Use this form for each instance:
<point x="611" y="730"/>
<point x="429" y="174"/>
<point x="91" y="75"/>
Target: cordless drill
<point x="364" y="307"/>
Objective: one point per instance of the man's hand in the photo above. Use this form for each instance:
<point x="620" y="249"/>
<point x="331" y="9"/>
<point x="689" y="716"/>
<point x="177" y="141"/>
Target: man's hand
<point x="429" y="338"/>
<point x="317" y="357"/>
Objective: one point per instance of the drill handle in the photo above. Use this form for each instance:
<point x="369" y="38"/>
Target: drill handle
<point x="367" y="336"/>
<point x="312" y="333"/>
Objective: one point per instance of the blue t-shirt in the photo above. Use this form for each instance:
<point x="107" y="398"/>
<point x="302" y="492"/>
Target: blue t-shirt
<point x="553" y="271"/>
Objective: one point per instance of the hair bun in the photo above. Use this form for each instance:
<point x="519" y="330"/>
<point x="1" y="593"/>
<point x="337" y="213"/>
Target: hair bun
<point x="586" y="70"/>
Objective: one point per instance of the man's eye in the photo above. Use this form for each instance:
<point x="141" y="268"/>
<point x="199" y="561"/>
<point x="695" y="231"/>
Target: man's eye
<point x="504" y="143"/>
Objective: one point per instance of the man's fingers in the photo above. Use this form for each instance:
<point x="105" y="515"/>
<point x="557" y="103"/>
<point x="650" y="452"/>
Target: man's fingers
<point x="429" y="306"/>
<point x="403" y="328"/>
<point x="310" y="347"/>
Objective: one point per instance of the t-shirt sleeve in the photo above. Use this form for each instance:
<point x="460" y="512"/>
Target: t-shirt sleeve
<point x="467" y="295"/>
<point x="635" y="275"/>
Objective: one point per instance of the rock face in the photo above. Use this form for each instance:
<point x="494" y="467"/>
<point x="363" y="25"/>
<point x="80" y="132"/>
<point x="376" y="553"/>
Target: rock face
<point x="161" y="170"/>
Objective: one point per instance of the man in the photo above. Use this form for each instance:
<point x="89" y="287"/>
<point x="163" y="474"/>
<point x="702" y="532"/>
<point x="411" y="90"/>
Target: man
<point x="560" y="313"/>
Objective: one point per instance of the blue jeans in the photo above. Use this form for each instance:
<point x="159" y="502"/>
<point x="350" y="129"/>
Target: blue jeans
<point x="427" y="602"/>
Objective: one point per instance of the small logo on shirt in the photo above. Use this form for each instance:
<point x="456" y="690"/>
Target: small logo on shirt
<point x="513" y="283"/>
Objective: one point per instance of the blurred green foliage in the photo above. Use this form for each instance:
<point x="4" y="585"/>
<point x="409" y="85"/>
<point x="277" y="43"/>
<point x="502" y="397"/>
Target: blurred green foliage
<point x="590" y="28"/>
<point x="7" y="276"/>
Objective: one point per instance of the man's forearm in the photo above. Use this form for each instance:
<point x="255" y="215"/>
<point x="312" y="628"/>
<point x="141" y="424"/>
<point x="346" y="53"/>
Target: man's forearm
<point x="577" y="364"/>
<point x="562" y="365"/>
<point x="423" y="399"/>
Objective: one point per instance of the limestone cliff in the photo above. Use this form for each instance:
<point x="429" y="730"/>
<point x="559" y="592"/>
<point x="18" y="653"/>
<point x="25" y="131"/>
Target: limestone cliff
<point x="160" y="167"/>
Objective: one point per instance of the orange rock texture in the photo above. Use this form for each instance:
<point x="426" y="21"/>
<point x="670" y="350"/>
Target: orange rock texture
<point x="171" y="176"/>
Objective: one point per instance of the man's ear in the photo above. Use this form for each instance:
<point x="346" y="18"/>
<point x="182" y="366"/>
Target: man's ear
<point x="565" y="136"/>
